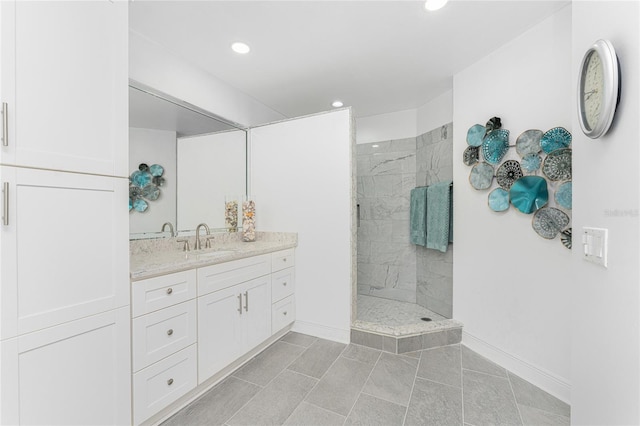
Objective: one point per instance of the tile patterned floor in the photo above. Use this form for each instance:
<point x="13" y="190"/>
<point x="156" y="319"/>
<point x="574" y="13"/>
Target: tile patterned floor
<point x="303" y="380"/>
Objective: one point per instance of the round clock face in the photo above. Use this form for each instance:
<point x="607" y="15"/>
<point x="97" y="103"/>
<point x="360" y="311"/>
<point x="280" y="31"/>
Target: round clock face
<point x="598" y="89"/>
<point x="593" y="89"/>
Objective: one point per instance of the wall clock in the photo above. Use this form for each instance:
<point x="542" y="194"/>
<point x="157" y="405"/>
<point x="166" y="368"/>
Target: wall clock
<point x="598" y="89"/>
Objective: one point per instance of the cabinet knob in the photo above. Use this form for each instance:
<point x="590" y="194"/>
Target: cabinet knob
<point x="284" y="313"/>
<point x="284" y="283"/>
<point x="169" y="290"/>
<point x="284" y="259"/>
<point x="170" y="331"/>
<point x="170" y="382"/>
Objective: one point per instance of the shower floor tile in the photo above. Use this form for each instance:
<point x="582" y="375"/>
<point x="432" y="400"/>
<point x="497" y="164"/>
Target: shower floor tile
<point x="392" y="313"/>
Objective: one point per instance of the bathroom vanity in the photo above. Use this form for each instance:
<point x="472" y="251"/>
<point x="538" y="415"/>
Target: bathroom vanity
<point x="198" y="315"/>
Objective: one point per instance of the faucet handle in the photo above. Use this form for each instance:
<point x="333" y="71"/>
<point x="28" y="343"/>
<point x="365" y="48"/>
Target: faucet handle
<point x="207" y="242"/>
<point x="186" y="244"/>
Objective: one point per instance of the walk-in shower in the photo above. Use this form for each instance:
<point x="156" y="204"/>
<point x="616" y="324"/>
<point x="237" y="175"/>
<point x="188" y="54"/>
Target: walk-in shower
<point x="403" y="288"/>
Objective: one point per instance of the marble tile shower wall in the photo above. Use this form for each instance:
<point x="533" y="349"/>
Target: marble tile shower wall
<point x="389" y="266"/>
<point x="434" y="272"/>
<point x="386" y="258"/>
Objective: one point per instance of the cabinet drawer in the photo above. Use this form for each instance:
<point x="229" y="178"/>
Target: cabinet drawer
<point x="159" y="385"/>
<point x="160" y="292"/>
<point x="161" y="333"/>
<point x="282" y="314"/>
<point x="282" y="284"/>
<point x="216" y="277"/>
<point x="282" y="259"/>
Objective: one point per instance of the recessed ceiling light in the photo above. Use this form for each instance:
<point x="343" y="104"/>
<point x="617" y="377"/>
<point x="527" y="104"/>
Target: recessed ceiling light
<point x="337" y="104"/>
<point x="432" y="5"/>
<point x="240" y="47"/>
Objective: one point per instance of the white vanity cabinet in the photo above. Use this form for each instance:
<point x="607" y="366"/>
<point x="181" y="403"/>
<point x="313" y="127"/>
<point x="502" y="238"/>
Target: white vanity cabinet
<point x="77" y="373"/>
<point x="192" y="325"/>
<point x="283" y="282"/>
<point x="164" y="349"/>
<point x="64" y="82"/>
<point x="235" y="316"/>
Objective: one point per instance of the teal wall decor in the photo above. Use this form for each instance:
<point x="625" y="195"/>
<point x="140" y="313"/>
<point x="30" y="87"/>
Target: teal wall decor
<point x="144" y="186"/>
<point x="538" y="183"/>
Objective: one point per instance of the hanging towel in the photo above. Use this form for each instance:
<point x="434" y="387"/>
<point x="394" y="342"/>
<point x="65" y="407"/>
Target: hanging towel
<point x="439" y="215"/>
<point x="418" y="216"/>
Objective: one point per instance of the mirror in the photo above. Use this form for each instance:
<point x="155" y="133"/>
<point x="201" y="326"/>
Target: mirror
<point x="203" y="158"/>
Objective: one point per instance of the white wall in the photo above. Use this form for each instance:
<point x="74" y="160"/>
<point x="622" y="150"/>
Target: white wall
<point x="153" y="65"/>
<point x="406" y="124"/>
<point x="211" y="167"/>
<point x="301" y="179"/>
<point x="384" y="127"/>
<point x="154" y="147"/>
<point x="435" y="113"/>
<point x="605" y="329"/>
<point x="511" y="288"/>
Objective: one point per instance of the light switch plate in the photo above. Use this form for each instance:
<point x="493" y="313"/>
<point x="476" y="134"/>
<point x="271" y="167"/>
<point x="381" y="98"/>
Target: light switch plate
<point x="594" y="245"/>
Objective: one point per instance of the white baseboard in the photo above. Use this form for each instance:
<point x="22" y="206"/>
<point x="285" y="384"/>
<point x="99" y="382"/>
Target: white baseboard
<point x="322" y="331"/>
<point x="545" y="380"/>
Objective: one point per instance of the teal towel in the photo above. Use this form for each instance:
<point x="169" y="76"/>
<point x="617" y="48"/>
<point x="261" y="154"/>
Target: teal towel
<point x="418" y="216"/>
<point x="439" y="229"/>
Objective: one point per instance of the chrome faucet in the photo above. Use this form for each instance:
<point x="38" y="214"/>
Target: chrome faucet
<point x="170" y="228"/>
<point x="206" y="228"/>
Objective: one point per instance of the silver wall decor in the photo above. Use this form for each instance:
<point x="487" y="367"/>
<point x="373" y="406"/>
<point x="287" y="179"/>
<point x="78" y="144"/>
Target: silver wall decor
<point x="541" y="176"/>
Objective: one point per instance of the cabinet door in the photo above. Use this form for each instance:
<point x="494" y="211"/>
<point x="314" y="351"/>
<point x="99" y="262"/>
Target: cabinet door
<point x="220" y="339"/>
<point x="64" y="249"/>
<point x="65" y="82"/>
<point x="257" y="307"/>
<point x="74" y="374"/>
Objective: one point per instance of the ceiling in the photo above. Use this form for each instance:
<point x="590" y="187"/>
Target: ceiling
<point x="148" y="110"/>
<point x="375" y="56"/>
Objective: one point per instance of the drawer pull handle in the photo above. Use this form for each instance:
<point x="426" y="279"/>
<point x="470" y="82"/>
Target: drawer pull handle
<point x="170" y="332"/>
<point x="240" y="303"/>
<point x="169" y="290"/>
<point x="170" y="382"/>
<point x="246" y="301"/>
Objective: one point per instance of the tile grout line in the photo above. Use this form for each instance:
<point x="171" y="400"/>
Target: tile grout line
<point x="515" y="400"/>
<point x="316" y="385"/>
<point x="383" y="399"/>
<point x="415" y="377"/>
<point x="302" y="374"/>
<point x="486" y="374"/>
<point x="245" y="404"/>
<point x="461" y="384"/>
<point x="263" y="387"/>
<point x="363" y="385"/>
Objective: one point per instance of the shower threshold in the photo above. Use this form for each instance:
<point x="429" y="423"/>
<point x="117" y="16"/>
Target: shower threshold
<point x="398" y="327"/>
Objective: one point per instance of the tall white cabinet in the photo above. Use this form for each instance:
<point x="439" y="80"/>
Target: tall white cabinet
<point x="64" y="263"/>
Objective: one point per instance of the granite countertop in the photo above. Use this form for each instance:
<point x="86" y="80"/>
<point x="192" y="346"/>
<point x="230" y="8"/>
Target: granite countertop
<point x="150" y="258"/>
